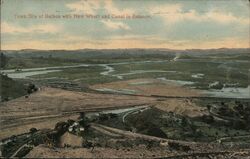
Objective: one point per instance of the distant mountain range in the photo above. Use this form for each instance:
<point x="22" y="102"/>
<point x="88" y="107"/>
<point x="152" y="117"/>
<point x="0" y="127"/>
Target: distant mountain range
<point x="118" y="53"/>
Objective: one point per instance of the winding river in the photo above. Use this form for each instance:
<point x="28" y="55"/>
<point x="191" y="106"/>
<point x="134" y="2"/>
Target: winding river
<point x="108" y="70"/>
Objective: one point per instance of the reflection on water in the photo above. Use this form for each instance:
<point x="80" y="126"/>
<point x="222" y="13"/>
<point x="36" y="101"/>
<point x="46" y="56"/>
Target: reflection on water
<point x="141" y="83"/>
<point x="179" y="82"/>
<point x="198" y="75"/>
<point x="24" y="73"/>
<point x="144" y="71"/>
<point x="43" y="68"/>
<point x="118" y="111"/>
<point x="31" y="73"/>
<point x="229" y="92"/>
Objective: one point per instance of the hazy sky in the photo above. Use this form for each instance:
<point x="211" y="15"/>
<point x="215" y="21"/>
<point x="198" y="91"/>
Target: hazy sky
<point x="179" y="24"/>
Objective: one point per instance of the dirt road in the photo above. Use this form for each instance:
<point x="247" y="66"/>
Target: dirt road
<point x="49" y="105"/>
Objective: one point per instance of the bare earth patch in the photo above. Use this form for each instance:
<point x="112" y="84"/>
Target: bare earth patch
<point x="150" y="87"/>
<point x="50" y="105"/>
<point x="183" y="107"/>
<point x="161" y="88"/>
<point x="98" y="152"/>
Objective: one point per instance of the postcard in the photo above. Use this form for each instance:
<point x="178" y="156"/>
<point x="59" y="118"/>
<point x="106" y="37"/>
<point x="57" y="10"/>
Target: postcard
<point x="125" y="79"/>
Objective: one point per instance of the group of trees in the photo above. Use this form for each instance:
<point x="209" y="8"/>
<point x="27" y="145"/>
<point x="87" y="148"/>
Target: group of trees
<point x="9" y="88"/>
<point x="3" y="60"/>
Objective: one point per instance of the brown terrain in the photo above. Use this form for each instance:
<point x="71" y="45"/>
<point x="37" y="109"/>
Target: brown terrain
<point x="56" y="104"/>
<point x="182" y="107"/>
<point x="158" y="87"/>
<point x="150" y="87"/>
<point x="48" y="106"/>
<point x="112" y="149"/>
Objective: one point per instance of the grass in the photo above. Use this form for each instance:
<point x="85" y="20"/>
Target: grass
<point x="184" y="71"/>
<point x="22" y="63"/>
<point x="221" y="70"/>
<point x="172" y="126"/>
<point x="35" y="62"/>
<point x="85" y="75"/>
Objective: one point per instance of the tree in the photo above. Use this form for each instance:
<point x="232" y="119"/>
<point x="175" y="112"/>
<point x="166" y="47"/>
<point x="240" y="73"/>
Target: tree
<point x="3" y="60"/>
<point x="208" y="107"/>
<point x="207" y="119"/>
<point x="184" y="122"/>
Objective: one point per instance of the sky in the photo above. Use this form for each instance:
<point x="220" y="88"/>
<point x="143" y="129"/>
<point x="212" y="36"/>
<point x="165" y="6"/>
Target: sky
<point x="107" y="24"/>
